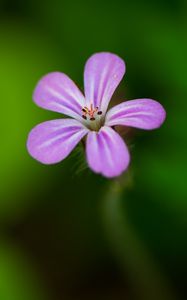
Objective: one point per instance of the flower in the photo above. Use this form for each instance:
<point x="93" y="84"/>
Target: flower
<point x="52" y="141"/>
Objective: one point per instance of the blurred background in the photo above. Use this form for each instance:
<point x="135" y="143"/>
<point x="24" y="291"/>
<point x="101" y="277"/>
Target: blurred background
<point x="66" y="233"/>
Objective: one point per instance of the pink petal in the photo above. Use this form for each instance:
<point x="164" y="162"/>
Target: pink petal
<point x="106" y="152"/>
<point x="52" y="141"/>
<point x="57" y="92"/>
<point x="140" y="113"/>
<point x="103" y="73"/>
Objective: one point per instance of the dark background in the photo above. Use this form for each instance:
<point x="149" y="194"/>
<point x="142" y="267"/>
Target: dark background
<point x="66" y="233"/>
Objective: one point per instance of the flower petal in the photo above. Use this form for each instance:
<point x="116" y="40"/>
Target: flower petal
<point x="103" y="73"/>
<point x="57" y="92"/>
<point x="106" y="152"/>
<point x="140" y="113"/>
<point x="51" y="141"/>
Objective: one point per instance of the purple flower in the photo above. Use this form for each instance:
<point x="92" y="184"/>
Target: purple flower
<point x="107" y="154"/>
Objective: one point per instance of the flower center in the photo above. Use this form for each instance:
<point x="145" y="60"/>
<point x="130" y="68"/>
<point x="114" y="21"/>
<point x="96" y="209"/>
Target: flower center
<point x="92" y="116"/>
<point x="90" y="113"/>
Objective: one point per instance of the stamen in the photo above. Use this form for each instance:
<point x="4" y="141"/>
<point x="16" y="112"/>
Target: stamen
<point x="90" y="112"/>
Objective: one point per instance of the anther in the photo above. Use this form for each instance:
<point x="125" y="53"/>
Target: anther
<point x="84" y="117"/>
<point x="99" y="112"/>
<point x="92" y="119"/>
<point x="84" y="110"/>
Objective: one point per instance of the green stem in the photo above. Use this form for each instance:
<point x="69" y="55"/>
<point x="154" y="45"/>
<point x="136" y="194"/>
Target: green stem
<point x="146" y="279"/>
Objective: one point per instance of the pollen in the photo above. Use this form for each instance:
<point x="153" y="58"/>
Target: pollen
<point x="90" y="112"/>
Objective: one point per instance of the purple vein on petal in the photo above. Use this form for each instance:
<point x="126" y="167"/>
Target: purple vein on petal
<point x="106" y="152"/>
<point x="70" y="103"/>
<point x="64" y="138"/>
<point x="51" y="141"/>
<point x="68" y="96"/>
<point x="57" y="92"/>
<point x="107" y="145"/>
<point x="140" y="113"/>
<point x="103" y="72"/>
<point x="59" y="138"/>
<point x="63" y="131"/>
<point x="102" y="84"/>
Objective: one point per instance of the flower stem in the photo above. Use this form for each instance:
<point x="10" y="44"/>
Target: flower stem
<point x="146" y="279"/>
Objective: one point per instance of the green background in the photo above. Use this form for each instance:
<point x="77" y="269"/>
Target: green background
<point x="66" y="233"/>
